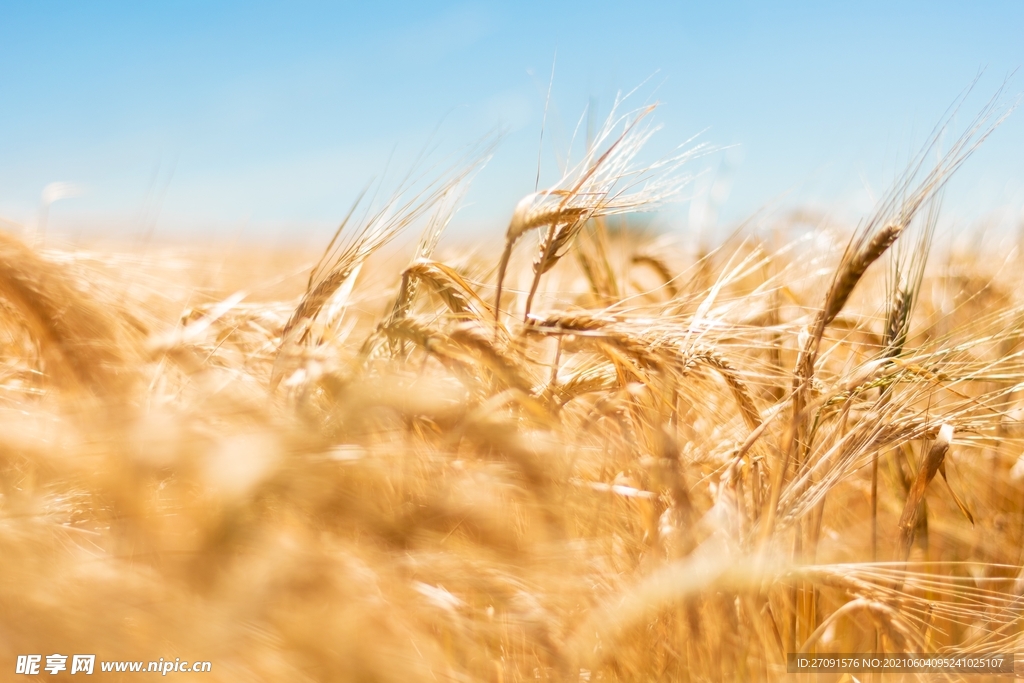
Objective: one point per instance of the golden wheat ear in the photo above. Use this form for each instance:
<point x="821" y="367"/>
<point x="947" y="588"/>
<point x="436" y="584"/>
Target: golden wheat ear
<point x="531" y="212"/>
<point x="929" y="467"/>
<point x="83" y="344"/>
<point x="332" y="277"/>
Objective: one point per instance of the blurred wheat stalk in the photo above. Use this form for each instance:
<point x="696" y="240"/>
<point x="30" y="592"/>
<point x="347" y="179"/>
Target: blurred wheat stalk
<point x="677" y="466"/>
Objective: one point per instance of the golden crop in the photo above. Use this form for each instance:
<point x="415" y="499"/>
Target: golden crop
<point x="639" y="462"/>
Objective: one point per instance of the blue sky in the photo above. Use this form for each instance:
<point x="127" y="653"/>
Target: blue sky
<point x="266" y="119"/>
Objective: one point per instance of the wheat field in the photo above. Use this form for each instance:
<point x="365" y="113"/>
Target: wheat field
<point x="589" y="452"/>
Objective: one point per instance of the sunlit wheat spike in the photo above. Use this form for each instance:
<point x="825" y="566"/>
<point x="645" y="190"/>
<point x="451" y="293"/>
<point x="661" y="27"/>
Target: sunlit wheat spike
<point x="607" y="181"/>
<point x="445" y="282"/>
<point x="926" y="472"/>
<point x="343" y="258"/>
<point x="913" y="190"/>
<point x="748" y="408"/>
<point x="439" y="221"/>
<point x="853" y="270"/>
